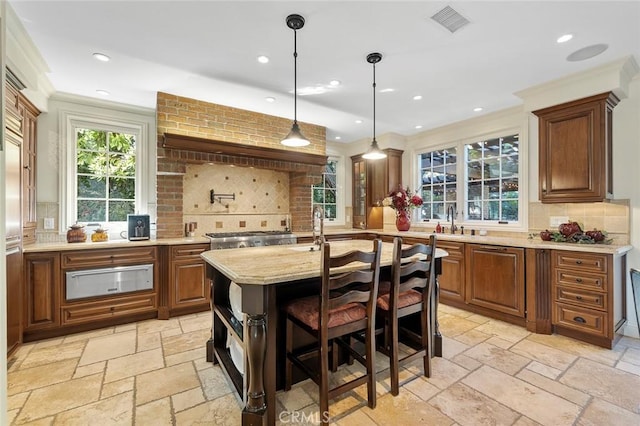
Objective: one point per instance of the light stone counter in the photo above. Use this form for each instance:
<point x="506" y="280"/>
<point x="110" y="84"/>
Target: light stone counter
<point x="524" y="242"/>
<point x="114" y="243"/>
<point x="277" y="264"/>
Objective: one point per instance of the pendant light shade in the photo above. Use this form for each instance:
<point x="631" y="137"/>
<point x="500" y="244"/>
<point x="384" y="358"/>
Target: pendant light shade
<point x="374" y="152"/>
<point x="295" y="136"/>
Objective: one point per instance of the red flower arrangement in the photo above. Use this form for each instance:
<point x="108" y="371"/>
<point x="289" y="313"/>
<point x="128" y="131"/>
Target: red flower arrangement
<point x="401" y="200"/>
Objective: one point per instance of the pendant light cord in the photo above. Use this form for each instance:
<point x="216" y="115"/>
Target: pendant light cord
<point x="295" y="76"/>
<point x="374" y="101"/>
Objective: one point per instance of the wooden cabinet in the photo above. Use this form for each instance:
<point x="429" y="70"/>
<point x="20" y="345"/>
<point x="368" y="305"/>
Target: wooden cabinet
<point x="14" y="298"/>
<point x="189" y="288"/>
<point x="372" y="180"/>
<point x="495" y="280"/>
<point x="48" y="313"/>
<point x="452" y="279"/>
<point x="42" y="277"/>
<point x="20" y="121"/>
<point x="575" y="150"/>
<point x="587" y="298"/>
<point x="29" y="143"/>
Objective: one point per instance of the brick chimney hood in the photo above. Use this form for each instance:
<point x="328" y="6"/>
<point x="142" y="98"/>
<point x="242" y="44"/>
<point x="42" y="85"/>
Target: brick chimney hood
<point x="210" y="146"/>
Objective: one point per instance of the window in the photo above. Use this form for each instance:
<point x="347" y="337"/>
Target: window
<point x="325" y="193"/>
<point x="492" y="179"/>
<point x="108" y="164"/>
<point x="105" y="175"/>
<point x="479" y="179"/>
<point x="439" y="177"/>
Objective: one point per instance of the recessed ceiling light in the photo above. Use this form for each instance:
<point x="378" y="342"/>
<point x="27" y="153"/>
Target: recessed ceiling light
<point x="564" y="38"/>
<point x="101" y="57"/>
<point x="419" y="126"/>
<point x="338" y="138"/>
<point x="102" y="92"/>
<point x="387" y="90"/>
<point x="263" y="59"/>
<point x="417" y="97"/>
<point x="587" y="52"/>
<point x="334" y="83"/>
<point x="477" y="109"/>
<point x="270" y="99"/>
<point x="358" y="121"/>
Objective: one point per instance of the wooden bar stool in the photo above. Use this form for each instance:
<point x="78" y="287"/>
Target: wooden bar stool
<point x="410" y="291"/>
<point x="346" y="305"/>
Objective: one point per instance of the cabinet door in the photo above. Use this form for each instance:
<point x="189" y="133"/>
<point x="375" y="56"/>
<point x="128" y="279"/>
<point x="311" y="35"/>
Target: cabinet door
<point x="189" y="285"/>
<point x="29" y="133"/>
<point x="42" y="283"/>
<point x="575" y="150"/>
<point x="14" y="299"/>
<point x="452" y="278"/>
<point x="495" y="278"/>
<point x="359" y="192"/>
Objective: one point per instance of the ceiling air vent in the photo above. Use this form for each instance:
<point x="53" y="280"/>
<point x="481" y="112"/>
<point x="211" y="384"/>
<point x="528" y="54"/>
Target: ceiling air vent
<point x="450" y="19"/>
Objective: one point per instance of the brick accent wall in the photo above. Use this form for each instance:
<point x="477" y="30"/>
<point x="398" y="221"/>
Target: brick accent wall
<point x="191" y="117"/>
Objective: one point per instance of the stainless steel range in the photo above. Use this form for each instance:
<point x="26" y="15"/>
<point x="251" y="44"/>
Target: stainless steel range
<point x="229" y="240"/>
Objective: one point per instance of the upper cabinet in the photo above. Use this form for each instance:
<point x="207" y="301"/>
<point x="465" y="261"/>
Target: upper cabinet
<point x="372" y="180"/>
<point x="29" y="142"/>
<point x="575" y="147"/>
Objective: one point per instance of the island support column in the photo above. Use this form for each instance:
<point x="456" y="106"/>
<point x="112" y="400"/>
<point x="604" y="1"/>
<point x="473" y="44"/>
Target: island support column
<point x="255" y="305"/>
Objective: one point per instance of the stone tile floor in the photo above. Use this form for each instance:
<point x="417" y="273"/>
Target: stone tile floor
<point x="492" y="373"/>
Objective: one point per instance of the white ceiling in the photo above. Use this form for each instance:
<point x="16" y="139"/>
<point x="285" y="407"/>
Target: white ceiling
<point x="207" y="50"/>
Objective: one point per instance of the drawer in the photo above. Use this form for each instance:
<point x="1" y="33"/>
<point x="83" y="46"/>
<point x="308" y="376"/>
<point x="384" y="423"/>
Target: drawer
<point x="582" y="280"/>
<point x="582" y="261"/>
<point x="97" y="258"/>
<point x="453" y="248"/>
<point x="585" y="320"/>
<point x="583" y="298"/>
<point x="191" y="251"/>
<point x="105" y="309"/>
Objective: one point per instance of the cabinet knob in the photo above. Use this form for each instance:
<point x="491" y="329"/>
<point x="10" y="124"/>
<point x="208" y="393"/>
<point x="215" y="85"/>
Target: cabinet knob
<point x="578" y="262"/>
<point x="578" y="280"/>
<point x="580" y="320"/>
<point x="27" y="167"/>
<point x="578" y="297"/>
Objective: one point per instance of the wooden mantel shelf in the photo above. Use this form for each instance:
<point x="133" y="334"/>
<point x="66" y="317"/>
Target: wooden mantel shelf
<point x="191" y="143"/>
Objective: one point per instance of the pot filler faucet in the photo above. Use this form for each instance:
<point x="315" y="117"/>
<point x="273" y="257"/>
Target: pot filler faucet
<point x="451" y="213"/>
<point x="318" y="226"/>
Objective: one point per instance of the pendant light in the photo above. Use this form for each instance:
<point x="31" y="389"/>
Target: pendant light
<point x="374" y="152"/>
<point x="295" y="136"/>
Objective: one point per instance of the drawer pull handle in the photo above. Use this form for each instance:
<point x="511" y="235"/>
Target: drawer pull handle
<point x="578" y="262"/>
<point x="598" y="283"/>
<point x="579" y="319"/>
<point x="578" y="297"/>
<point x="578" y="280"/>
<point x="597" y="300"/>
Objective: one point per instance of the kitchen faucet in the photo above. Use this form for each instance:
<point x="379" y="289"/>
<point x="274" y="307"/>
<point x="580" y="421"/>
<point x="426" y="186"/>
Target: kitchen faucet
<point x="451" y="213"/>
<point x="318" y="225"/>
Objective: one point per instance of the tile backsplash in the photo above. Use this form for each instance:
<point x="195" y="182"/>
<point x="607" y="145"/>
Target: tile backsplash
<point x="261" y="198"/>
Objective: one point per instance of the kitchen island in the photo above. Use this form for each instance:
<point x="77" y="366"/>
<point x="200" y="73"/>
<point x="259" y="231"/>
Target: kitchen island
<point x="268" y="276"/>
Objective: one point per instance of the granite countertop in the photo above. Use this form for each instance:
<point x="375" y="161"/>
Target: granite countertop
<point x="113" y="243"/>
<point x="279" y="264"/>
<point x="524" y="241"/>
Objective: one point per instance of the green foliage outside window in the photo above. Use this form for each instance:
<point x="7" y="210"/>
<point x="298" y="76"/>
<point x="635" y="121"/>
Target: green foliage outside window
<point x="324" y="194"/>
<point x="105" y="175"/>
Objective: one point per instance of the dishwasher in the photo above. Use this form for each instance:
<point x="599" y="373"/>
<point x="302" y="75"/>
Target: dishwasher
<point x="108" y="281"/>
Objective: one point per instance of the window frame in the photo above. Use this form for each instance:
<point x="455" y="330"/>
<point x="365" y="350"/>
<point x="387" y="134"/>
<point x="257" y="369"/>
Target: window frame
<point x="113" y="121"/>
<point x="340" y="191"/>
<point x="459" y="141"/>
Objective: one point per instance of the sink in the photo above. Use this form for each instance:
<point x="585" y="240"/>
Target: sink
<point x="304" y="248"/>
